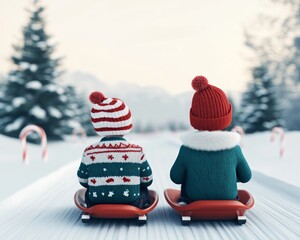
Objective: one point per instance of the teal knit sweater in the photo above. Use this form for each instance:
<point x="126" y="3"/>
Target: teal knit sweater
<point x="113" y="171"/>
<point x="210" y="164"/>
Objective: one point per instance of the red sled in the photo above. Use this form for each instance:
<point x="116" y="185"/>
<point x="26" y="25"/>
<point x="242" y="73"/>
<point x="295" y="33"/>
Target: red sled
<point x="211" y="209"/>
<point x="113" y="210"/>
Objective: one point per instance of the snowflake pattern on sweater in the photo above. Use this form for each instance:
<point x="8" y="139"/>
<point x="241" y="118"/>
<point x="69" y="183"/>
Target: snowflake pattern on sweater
<point x="113" y="171"/>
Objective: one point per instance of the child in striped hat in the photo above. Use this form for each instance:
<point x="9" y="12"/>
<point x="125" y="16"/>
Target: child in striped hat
<point x="114" y="170"/>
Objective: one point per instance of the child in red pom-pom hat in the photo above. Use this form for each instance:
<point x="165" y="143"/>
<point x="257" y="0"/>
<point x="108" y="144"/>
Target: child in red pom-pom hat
<point x="114" y="170"/>
<point x="210" y="161"/>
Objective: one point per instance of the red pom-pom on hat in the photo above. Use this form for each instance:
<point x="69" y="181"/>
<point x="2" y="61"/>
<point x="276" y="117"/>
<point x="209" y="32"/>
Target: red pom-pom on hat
<point x="97" y="97"/>
<point x="199" y="83"/>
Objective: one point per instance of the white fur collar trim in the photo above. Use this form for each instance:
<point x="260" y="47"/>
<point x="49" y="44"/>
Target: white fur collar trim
<point x="211" y="141"/>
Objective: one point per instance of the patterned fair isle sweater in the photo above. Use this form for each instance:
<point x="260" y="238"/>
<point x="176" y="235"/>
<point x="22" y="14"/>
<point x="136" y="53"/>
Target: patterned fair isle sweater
<point x="113" y="171"/>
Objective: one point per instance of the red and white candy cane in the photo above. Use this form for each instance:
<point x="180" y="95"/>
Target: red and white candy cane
<point x="239" y="130"/>
<point x="280" y="131"/>
<point x="23" y="136"/>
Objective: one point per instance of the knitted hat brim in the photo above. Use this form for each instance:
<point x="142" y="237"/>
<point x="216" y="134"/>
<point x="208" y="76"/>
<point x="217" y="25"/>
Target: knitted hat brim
<point x="211" y="124"/>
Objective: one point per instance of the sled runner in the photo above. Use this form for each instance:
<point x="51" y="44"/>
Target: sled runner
<point x="211" y="209"/>
<point x="113" y="210"/>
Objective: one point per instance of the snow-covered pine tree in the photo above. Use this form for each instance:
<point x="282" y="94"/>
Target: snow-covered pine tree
<point x="84" y="116"/>
<point x="293" y="112"/>
<point x="260" y="110"/>
<point x="30" y="94"/>
<point x="86" y="122"/>
<point x="234" y="121"/>
<point x="275" y="38"/>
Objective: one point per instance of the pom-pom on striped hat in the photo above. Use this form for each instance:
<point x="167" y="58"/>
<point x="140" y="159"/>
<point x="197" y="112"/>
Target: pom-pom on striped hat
<point x="110" y="116"/>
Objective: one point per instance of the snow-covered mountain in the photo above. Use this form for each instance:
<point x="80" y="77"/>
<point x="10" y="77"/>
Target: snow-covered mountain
<point x="83" y="82"/>
<point x="152" y="107"/>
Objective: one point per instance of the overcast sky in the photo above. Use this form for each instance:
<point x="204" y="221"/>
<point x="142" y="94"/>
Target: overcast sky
<point x="159" y="42"/>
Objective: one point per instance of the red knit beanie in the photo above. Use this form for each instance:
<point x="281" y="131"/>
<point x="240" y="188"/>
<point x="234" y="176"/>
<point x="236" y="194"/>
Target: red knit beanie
<point x="210" y="110"/>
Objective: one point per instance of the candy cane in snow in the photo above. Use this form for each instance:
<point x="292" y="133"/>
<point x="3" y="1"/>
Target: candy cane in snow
<point x="23" y="136"/>
<point x="280" y="131"/>
<point x="239" y="130"/>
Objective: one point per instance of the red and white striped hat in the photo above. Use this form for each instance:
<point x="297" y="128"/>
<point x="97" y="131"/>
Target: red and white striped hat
<point x="110" y="116"/>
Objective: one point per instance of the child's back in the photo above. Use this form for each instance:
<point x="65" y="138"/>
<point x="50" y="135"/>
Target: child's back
<point x="113" y="170"/>
<point x="210" y="169"/>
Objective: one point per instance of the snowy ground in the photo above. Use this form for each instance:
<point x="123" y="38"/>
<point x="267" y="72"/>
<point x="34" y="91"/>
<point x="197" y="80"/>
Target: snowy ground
<point x="45" y="209"/>
<point x="263" y="156"/>
<point x="20" y="174"/>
